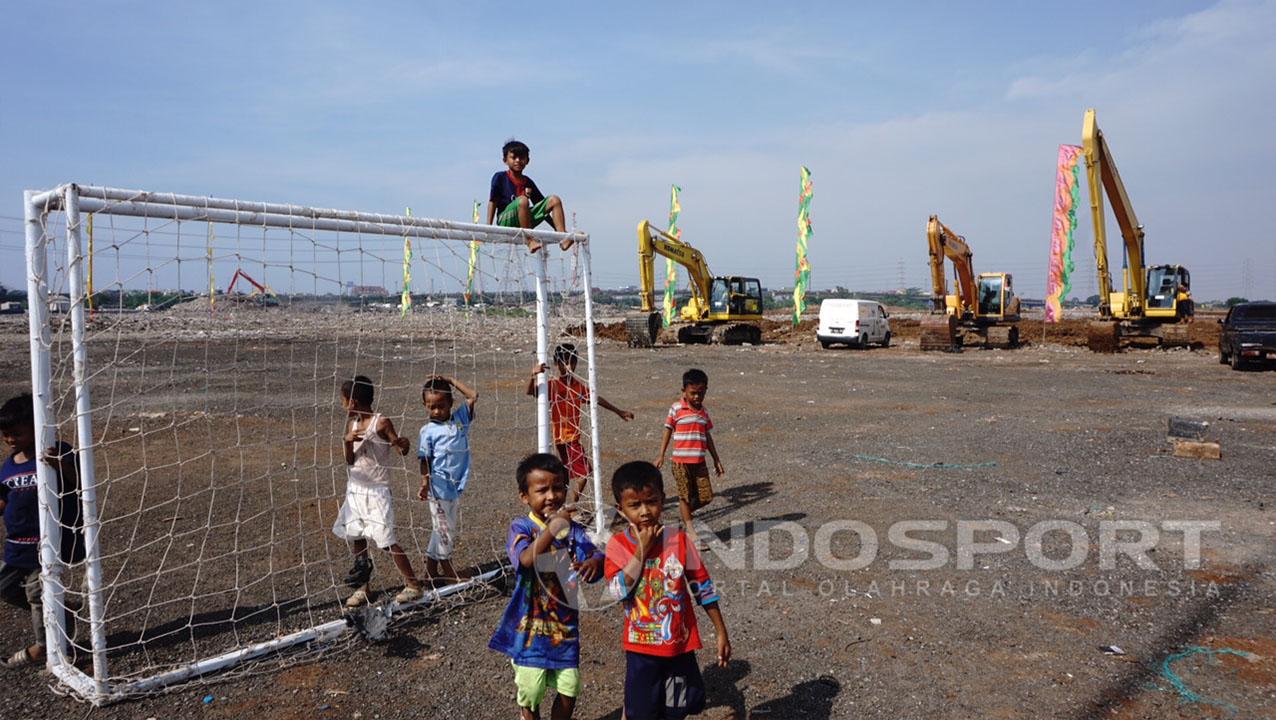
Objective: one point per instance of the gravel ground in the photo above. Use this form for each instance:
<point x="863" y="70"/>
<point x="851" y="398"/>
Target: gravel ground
<point x="810" y="438"/>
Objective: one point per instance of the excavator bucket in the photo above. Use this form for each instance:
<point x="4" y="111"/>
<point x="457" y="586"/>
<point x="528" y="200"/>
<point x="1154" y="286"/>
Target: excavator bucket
<point x="1103" y="336"/>
<point x="939" y="332"/>
<point x="642" y="329"/>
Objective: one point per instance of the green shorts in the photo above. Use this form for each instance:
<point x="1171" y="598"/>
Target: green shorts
<point x="509" y="216"/>
<point x="533" y="682"/>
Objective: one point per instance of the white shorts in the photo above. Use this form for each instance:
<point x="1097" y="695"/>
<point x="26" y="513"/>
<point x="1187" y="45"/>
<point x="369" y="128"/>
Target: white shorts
<point x="367" y="513"/>
<point x="446" y="515"/>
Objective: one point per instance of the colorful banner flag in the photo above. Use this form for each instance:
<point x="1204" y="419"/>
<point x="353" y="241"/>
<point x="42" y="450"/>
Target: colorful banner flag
<point x="405" y="301"/>
<point x="1067" y="194"/>
<point x="212" y="280"/>
<point x="469" y="278"/>
<point x="89" y="298"/>
<point x="671" y="267"/>
<point x="802" y="273"/>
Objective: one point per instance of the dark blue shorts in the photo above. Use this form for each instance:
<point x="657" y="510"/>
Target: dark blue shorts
<point x="664" y="688"/>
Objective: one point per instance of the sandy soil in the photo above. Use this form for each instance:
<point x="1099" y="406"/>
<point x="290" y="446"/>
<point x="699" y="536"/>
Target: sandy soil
<point x="809" y="437"/>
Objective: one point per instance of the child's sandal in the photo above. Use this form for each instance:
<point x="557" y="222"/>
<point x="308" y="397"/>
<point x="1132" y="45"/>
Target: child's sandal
<point x="21" y="658"/>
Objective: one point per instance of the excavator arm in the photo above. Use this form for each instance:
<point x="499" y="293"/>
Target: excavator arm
<point x="1101" y="170"/>
<point x="653" y="241"/>
<point x="944" y="243"/>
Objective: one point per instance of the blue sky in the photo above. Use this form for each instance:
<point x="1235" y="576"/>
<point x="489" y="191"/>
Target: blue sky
<point x="951" y="108"/>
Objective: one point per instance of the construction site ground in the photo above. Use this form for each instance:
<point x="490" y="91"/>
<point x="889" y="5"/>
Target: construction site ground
<point x="818" y="441"/>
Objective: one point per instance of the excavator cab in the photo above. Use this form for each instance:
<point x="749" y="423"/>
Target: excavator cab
<point x="997" y="301"/>
<point x="1164" y="284"/>
<point x="735" y="298"/>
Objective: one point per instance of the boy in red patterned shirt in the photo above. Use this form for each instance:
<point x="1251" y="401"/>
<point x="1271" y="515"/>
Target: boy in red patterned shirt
<point x="659" y="577"/>
<point x="566" y="394"/>
<point x="688" y="425"/>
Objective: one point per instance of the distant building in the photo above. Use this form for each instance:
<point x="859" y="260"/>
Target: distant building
<point x="59" y="303"/>
<point x="12" y="308"/>
<point x="367" y="291"/>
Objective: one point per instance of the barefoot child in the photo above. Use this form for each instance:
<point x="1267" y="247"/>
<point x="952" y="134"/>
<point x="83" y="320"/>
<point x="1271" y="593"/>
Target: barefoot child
<point x="515" y="201"/>
<point x="567" y="393"/>
<point x="540" y="629"/>
<point x="689" y="426"/>
<point x="444" y="450"/>
<point x="368" y="510"/>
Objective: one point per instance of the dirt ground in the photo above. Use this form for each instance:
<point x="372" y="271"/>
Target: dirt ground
<point x="814" y="441"/>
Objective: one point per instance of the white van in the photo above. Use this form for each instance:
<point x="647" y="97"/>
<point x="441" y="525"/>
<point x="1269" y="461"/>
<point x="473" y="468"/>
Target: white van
<point x="853" y="322"/>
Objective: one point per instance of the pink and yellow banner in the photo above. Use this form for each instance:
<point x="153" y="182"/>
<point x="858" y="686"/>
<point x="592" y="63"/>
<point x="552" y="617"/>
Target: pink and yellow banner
<point x="1067" y="193"/>
<point x="802" y="273"/>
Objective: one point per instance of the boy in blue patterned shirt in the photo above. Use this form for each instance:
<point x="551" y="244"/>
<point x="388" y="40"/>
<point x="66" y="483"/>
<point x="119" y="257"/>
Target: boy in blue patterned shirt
<point x="540" y="630"/>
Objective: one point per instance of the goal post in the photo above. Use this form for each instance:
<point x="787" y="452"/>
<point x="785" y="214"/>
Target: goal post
<point x="203" y="421"/>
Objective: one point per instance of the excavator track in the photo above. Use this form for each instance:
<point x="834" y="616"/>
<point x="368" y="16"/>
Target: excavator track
<point x="737" y="334"/>
<point x="1175" y="335"/>
<point x="1002" y="337"/>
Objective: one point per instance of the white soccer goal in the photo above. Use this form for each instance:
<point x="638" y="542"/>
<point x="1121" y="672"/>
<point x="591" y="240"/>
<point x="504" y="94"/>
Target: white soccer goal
<point x="191" y="349"/>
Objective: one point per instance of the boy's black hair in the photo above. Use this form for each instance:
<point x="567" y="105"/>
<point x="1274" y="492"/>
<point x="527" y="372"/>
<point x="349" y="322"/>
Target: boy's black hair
<point x="539" y="461"/>
<point x="636" y="475"/>
<point x="358" y="389"/>
<point x="694" y="376"/>
<point x="517" y="147"/>
<point x="438" y="385"/>
<point x="17" y="412"/>
<point x="565" y="353"/>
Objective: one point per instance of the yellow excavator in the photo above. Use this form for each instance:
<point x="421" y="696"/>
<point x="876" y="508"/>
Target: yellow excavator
<point x="1154" y="302"/>
<point x="722" y="309"/>
<point x="983" y="311"/>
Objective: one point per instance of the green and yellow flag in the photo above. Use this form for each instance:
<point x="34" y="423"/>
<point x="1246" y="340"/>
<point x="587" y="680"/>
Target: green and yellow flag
<point x="671" y="267"/>
<point x="212" y="280"/>
<point x="802" y="274"/>
<point x="469" y="278"/>
<point x="405" y="302"/>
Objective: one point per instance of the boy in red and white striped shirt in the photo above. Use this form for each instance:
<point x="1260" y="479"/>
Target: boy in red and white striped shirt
<point x="689" y="426"/>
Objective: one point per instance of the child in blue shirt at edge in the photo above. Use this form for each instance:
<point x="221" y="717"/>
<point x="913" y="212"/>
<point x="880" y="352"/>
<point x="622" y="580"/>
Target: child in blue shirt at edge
<point x="19" y="502"/>
<point x="515" y="201"/>
<point x="444" y="450"/>
<point x="540" y="629"/>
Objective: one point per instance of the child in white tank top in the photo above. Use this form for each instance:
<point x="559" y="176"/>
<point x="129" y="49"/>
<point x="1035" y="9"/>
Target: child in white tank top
<point x="368" y="510"/>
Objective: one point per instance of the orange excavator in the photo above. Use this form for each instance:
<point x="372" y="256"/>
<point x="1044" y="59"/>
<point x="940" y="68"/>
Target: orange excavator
<point x="261" y="293"/>
<point x="983" y="312"/>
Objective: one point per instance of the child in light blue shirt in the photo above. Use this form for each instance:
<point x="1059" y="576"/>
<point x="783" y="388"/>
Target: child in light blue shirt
<point x="444" y="450"/>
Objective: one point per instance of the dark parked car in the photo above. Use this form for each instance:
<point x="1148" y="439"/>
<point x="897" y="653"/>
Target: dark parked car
<point x="1249" y="335"/>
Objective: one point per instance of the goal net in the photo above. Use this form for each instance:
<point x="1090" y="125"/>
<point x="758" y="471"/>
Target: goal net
<point x="192" y="351"/>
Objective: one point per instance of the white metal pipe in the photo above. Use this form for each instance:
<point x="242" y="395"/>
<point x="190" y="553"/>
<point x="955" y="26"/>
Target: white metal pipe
<point x="84" y="431"/>
<point x="595" y="444"/>
<point x="540" y="265"/>
<point x="45" y="432"/>
<point x="49" y="200"/>
<point x="319" y="633"/>
<point x="79" y="683"/>
<point x="188" y="207"/>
